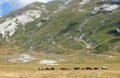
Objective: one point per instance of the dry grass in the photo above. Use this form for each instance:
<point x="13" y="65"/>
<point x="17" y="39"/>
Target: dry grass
<point x="27" y="71"/>
<point x="61" y="74"/>
<point x="7" y="50"/>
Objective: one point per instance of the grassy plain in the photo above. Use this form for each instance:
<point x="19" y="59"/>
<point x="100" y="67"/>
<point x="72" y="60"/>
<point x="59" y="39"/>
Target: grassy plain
<point x="28" y="71"/>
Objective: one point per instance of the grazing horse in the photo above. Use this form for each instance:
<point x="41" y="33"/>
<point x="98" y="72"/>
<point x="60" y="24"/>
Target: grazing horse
<point x="52" y="68"/>
<point x="95" y="68"/>
<point x="88" y="68"/>
<point x="65" y="69"/>
<point x="76" y="68"/>
<point x="41" y="68"/>
<point x="104" y="68"/>
<point x="82" y="68"/>
<point x="47" y="68"/>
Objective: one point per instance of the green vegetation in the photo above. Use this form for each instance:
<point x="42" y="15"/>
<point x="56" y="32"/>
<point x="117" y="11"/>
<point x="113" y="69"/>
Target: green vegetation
<point x="68" y="31"/>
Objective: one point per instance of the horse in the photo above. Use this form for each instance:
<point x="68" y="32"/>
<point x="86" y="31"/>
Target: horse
<point x="76" y="68"/>
<point x="104" y="68"/>
<point x="88" y="68"/>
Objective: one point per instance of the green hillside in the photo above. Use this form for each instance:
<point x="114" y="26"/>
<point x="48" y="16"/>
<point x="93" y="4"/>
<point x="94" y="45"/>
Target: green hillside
<point x="73" y="32"/>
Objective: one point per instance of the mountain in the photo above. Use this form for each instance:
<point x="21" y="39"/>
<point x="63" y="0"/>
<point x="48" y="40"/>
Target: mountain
<point x="79" y="31"/>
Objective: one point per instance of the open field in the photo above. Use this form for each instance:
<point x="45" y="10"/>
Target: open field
<point x="28" y="71"/>
<point x="60" y="74"/>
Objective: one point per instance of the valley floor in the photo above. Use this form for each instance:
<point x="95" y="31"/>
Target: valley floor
<point x="60" y="74"/>
<point x="28" y="71"/>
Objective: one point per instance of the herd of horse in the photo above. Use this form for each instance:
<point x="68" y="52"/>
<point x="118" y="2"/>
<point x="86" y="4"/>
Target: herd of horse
<point x="75" y="68"/>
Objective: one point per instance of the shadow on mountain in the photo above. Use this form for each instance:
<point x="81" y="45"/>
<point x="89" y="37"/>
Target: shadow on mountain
<point x="118" y="3"/>
<point x="114" y="32"/>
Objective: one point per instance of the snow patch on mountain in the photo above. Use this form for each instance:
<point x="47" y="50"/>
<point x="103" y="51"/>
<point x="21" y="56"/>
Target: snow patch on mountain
<point x="28" y="16"/>
<point x="118" y="30"/>
<point x="48" y="62"/>
<point x="22" y="58"/>
<point x="10" y="25"/>
<point x="84" y="2"/>
<point x="109" y="7"/>
<point x="106" y="7"/>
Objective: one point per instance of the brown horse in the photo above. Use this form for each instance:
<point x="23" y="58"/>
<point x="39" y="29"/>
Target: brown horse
<point x="76" y="68"/>
<point x="82" y="68"/>
<point x="50" y="68"/>
<point x="88" y="68"/>
<point x="95" y="68"/>
<point x="64" y="68"/>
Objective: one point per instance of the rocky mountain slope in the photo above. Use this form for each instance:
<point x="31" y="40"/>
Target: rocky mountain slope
<point x="63" y="28"/>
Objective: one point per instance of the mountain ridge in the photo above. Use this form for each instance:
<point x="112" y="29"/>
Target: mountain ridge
<point x="88" y="28"/>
